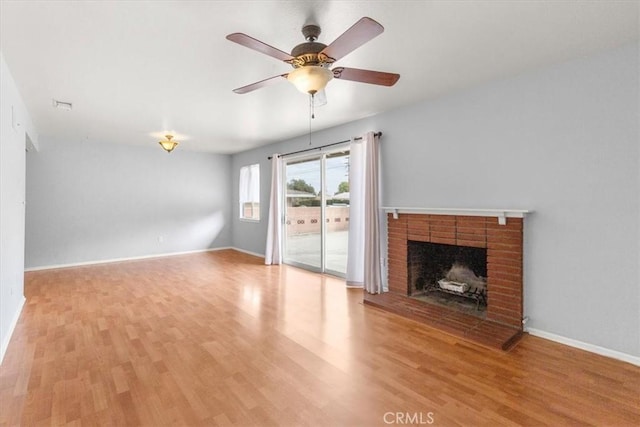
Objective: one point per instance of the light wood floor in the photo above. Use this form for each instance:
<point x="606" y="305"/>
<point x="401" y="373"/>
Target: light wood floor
<point x="220" y="339"/>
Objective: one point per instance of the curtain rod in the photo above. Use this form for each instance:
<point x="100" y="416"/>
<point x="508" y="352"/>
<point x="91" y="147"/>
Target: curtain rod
<point x="357" y="138"/>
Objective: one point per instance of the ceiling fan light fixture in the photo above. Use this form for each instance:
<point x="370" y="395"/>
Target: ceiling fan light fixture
<point x="168" y="144"/>
<point x="310" y="78"/>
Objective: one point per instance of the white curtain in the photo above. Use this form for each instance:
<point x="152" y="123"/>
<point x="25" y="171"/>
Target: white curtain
<point x="273" y="251"/>
<point x="249" y="185"/>
<point x="355" y="250"/>
<point x="363" y="259"/>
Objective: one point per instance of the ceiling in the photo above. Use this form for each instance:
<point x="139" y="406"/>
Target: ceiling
<point x="137" y="69"/>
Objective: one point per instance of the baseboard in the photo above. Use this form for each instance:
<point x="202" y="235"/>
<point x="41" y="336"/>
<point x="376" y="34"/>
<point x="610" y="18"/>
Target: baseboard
<point x="634" y="360"/>
<point x="107" y="261"/>
<point x="12" y="326"/>
<point x="247" y="252"/>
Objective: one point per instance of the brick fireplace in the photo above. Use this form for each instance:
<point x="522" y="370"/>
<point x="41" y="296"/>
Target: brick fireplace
<point x="499" y="237"/>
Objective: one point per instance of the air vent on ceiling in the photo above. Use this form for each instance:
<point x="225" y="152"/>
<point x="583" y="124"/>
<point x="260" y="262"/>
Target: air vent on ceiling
<point x="62" y="105"/>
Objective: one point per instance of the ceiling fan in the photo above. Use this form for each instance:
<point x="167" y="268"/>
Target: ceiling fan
<point x="312" y="61"/>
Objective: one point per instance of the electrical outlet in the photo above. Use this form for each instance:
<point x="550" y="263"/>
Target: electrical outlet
<point x="160" y="239"/>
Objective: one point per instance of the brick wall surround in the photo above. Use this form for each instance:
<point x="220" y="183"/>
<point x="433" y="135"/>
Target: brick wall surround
<point x="504" y="255"/>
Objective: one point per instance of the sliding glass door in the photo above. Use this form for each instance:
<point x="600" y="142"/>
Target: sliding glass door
<point x="303" y="215"/>
<point x="317" y="212"/>
<point x="336" y="212"/>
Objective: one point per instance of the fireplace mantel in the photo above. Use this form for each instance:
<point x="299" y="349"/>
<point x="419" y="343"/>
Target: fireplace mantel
<point x="501" y="214"/>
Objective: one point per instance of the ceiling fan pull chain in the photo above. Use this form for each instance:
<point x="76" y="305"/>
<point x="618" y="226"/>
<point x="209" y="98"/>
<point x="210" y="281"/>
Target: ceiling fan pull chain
<point x="311" y="116"/>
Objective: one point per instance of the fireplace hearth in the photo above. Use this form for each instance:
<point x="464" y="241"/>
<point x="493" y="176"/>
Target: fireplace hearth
<point x="458" y="273"/>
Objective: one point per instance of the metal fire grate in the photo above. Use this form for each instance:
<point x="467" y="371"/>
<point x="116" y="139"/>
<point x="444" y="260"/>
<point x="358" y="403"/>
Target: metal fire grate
<point x="479" y="296"/>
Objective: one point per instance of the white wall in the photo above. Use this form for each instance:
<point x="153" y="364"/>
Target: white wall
<point x="15" y="125"/>
<point x="91" y="201"/>
<point x="562" y="141"/>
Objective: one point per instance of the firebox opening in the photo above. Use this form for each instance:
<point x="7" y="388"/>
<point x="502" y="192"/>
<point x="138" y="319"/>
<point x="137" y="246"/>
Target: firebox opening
<point x="449" y="275"/>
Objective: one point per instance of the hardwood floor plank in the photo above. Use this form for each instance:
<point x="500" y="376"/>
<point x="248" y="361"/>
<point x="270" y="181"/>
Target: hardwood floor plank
<point x="221" y="339"/>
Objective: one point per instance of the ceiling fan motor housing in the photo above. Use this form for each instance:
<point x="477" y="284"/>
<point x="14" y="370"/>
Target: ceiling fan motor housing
<point x="313" y="48"/>
<point x="309" y="53"/>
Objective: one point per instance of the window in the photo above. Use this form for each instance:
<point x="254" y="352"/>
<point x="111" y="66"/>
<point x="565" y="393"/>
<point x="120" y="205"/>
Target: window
<point x="250" y="192"/>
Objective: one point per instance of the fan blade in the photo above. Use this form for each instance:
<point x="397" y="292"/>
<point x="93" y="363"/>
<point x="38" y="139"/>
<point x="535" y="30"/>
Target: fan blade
<point x="320" y="98"/>
<point x="359" y="33"/>
<point x="366" y="76"/>
<point x="258" y="85"/>
<point x="255" y="44"/>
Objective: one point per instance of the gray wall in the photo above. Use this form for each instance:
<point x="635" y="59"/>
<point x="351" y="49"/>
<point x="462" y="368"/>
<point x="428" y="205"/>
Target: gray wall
<point x="92" y="201"/>
<point x="15" y="126"/>
<point x="562" y="141"/>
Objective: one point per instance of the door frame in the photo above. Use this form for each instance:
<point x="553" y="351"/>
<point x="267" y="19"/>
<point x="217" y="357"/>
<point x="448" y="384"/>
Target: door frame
<point x="322" y="156"/>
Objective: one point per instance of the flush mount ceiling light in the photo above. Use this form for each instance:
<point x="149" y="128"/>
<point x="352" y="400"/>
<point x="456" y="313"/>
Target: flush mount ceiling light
<point x="168" y="144"/>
